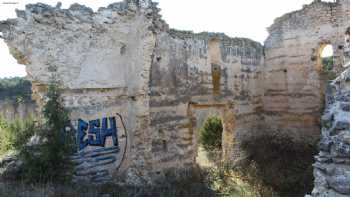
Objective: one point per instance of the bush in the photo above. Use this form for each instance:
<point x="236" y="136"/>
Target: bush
<point x="15" y="134"/>
<point x="327" y="70"/>
<point x="49" y="160"/>
<point x="211" y="133"/>
<point x="280" y="163"/>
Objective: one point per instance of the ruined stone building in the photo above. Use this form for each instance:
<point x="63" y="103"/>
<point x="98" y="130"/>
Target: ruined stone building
<point x="123" y="61"/>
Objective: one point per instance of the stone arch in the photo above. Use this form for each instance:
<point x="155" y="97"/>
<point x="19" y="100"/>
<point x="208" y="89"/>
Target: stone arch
<point x="320" y="50"/>
<point x="226" y="113"/>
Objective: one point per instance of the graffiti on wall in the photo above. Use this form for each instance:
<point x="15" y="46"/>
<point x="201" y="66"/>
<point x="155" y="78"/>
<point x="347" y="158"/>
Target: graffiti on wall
<point x="96" y="132"/>
<point x="101" y="148"/>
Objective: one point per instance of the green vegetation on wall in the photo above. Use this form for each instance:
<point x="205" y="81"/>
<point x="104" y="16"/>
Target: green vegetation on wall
<point x="327" y="69"/>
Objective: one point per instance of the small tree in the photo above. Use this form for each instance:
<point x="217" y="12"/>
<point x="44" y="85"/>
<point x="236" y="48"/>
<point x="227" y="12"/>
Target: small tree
<point x="211" y="133"/>
<point x="49" y="161"/>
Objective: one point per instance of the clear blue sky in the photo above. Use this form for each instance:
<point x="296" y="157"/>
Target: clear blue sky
<point x="245" y="18"/>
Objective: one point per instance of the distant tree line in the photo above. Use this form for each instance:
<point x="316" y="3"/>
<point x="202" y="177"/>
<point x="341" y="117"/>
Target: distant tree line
<point x="17" y="89"/>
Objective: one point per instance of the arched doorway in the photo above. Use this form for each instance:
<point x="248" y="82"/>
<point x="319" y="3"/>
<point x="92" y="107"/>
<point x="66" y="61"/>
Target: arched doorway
<point x="209" y="130"/>
<point x="198" y="114"/>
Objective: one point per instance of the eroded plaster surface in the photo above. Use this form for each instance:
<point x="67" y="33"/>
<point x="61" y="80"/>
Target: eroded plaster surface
<point x="124" y="59"/>
<point x="293" y="83"/>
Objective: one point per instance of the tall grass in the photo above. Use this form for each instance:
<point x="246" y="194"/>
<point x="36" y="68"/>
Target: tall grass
<point x="15" y="134"/>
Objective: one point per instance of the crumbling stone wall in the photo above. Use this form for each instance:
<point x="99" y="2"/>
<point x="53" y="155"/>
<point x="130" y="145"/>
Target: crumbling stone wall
<point x="331" y="169"/>
<point x="183" y="79"/>
<point x="123" y="59"/>
<point x="294" y="87"/>
<point x="103" y="61"/>
<point x="295" y="92"/>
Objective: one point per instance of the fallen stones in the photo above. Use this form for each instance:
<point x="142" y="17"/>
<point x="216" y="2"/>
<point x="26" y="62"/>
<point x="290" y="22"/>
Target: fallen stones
<point x="10" y="166"/>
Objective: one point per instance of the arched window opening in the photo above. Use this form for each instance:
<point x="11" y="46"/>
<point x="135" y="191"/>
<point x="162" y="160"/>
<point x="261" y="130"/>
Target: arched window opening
<point x="326" y="61"/>
<point x="327" y="58"/>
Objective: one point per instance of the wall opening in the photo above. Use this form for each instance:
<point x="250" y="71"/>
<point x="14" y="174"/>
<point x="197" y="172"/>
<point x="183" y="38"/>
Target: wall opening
<point x="224" y="116"/>
<point x="325" y="63"/>
<point x="327" y="56"/>
<point x="215" y="59"/>
<point x="325" y="68"/>
<point x="210" y="141"/>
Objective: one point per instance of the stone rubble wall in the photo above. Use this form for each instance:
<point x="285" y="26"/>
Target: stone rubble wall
<point x="124" y="59"/>
<point x="331" y="169"/>
<point x="293" y="83"/>
<point x="182" y="73"/>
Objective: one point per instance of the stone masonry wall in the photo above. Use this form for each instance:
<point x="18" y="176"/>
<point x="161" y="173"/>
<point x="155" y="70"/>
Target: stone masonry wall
<point x="134" y="87"/>
<point x="184" y="78"/>
<point x="331" y="169"/>
<point x="123" y="59"/>
<point x="294" y="86"/>
<point x="103" y="61"/>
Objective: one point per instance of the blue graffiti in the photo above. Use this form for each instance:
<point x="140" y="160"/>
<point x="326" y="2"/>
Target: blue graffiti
<point x="96" y="132"/>
<point x="82" y="127"/>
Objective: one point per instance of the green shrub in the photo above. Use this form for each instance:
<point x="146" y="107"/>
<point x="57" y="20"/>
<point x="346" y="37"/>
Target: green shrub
<point x="327" y="70"/>
<point x="49" y="160"/>
<point x="15" y="134"/>
<point x="211" y="133"/>
<point x="280" y="163"/>
<point x="228" y="182"/>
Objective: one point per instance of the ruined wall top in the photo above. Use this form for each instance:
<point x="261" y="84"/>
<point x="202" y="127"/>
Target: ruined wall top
<point x="86" y="49"/>
<point x="299" y="20"/>
<point x="124" y="58"/>
<point x="83" y="14"/>
<point x="109" y="48"/>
